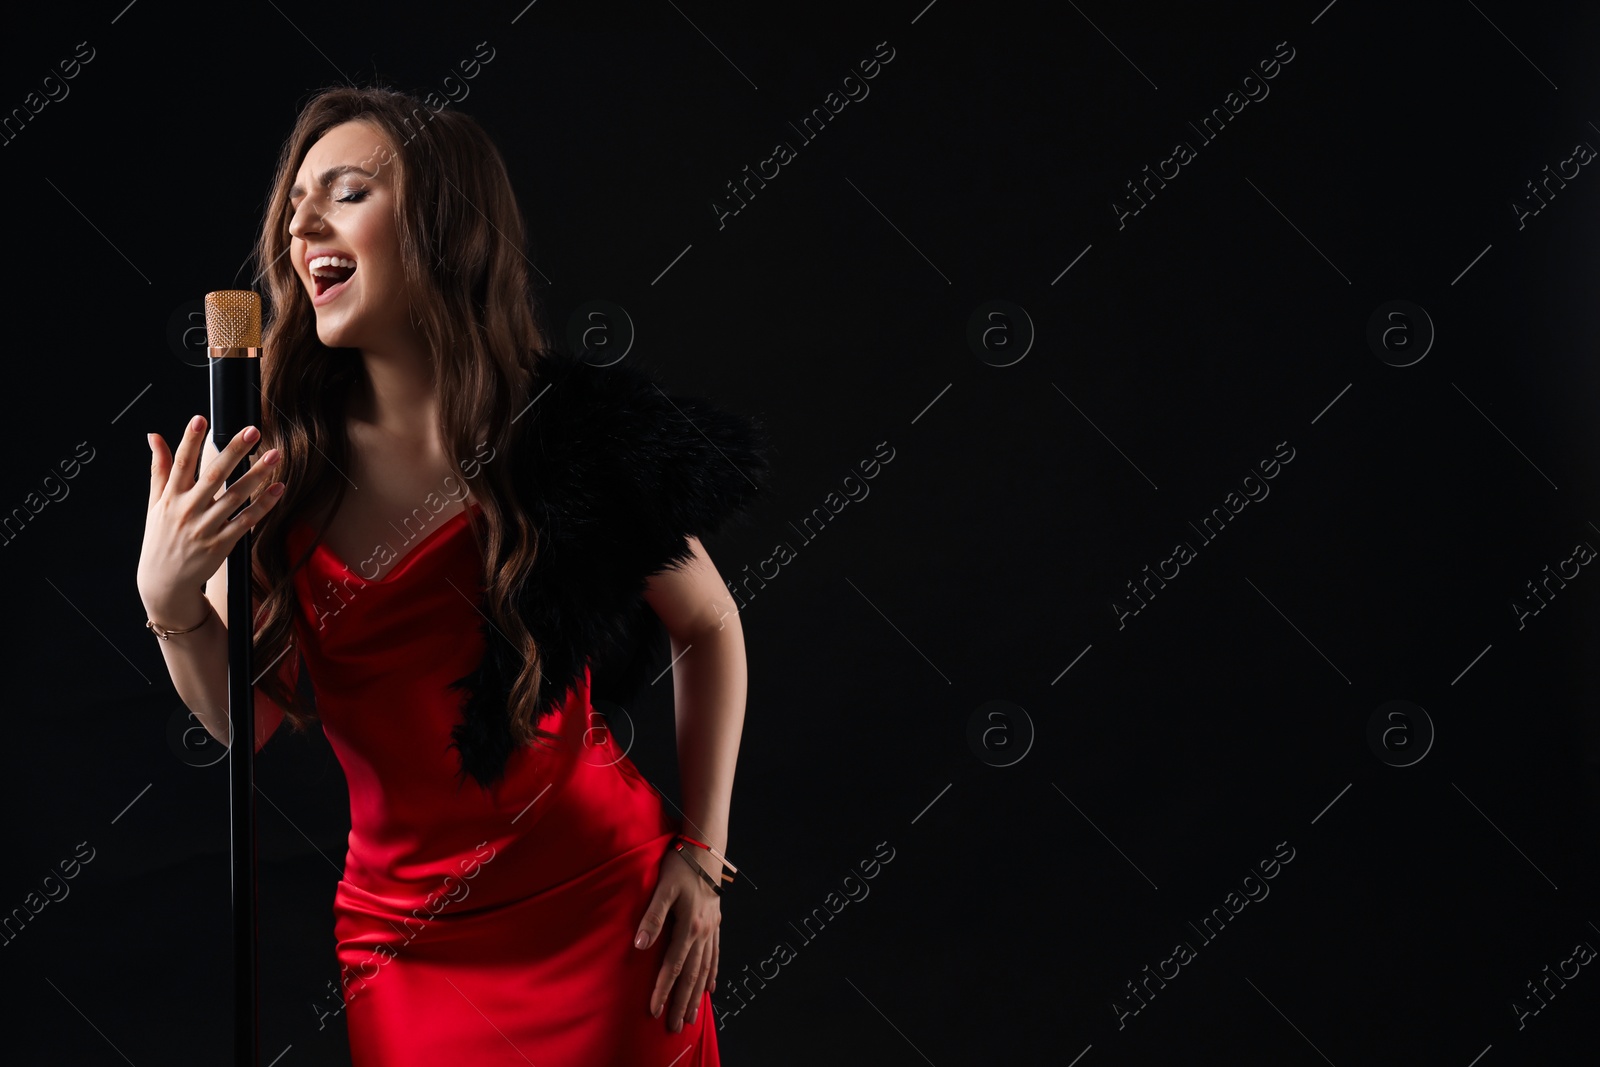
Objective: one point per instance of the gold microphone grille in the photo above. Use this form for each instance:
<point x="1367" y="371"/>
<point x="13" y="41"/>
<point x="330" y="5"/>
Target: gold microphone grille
<point x="233" y="319"/>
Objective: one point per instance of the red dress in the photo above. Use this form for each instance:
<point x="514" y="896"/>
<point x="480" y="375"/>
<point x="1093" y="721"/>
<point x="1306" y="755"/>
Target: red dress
<point x="478" y="927"/>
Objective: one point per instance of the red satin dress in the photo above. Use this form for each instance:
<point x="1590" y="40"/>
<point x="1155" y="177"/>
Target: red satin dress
<point x="478" y="927"/>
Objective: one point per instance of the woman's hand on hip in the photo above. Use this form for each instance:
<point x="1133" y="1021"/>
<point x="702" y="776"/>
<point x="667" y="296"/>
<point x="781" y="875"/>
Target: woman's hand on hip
<point x="690" y="966"/>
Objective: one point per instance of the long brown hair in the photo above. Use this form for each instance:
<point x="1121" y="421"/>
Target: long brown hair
<point x="462" y="248"/>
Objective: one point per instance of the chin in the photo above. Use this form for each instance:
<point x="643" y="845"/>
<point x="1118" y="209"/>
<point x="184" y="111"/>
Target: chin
<point x="335" y="337"/>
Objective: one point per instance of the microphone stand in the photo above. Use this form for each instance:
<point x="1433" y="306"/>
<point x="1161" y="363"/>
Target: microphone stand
<point x="235" y="404"/>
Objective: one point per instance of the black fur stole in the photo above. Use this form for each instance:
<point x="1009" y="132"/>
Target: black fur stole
<point x="616" y="475"/>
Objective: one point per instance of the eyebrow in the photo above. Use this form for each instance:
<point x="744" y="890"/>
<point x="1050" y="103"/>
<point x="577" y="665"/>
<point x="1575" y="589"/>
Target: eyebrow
<point x="327" y="178"/>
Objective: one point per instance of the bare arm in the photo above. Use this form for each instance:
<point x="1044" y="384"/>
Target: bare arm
<point x="198" y="660"/>
<point x="710" y="682"/>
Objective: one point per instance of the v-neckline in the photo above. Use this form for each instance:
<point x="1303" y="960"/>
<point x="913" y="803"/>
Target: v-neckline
<point x="405" y="560"/>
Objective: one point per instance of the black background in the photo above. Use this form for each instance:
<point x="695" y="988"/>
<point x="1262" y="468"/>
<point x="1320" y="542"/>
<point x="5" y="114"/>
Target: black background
<point x="1228" y="316"/>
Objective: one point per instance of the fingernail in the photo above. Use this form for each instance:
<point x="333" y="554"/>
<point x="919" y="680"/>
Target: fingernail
<point x="641" y="940"/>
<point x="250" y="434"/>
<point x="150" y="439"/>
<point x="194" y="424"/>
<point x="276" y="489"/>
<point x="655" y="1013"/>
<point x="271" y="457"/>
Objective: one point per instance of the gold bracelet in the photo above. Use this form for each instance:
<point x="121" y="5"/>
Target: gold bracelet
<point x="164" y="633"/>
<point x="677" y="846"/>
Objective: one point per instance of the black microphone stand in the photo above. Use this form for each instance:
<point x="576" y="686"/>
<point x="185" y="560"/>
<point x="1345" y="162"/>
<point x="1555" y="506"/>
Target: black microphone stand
<point x="235" y="404"/>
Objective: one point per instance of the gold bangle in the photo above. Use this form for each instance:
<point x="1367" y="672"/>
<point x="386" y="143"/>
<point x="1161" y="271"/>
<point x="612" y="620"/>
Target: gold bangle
<point x="163" y="633"/>
<point x="677" y="847"/>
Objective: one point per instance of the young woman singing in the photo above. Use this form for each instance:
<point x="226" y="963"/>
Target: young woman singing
<point x="451" y="522"/>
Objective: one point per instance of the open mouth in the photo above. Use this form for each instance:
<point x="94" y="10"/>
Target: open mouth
<point x="329" y="273"/>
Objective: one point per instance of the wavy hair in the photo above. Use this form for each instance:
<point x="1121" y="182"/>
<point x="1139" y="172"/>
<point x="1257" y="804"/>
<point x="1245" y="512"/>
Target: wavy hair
<point x="462" y="238"/>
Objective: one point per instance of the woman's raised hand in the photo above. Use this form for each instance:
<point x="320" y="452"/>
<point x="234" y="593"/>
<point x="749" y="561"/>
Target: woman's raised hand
<point x="187" y="530"/>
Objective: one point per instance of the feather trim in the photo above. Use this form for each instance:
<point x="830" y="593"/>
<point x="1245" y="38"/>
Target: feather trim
<point x="616" y="475"/>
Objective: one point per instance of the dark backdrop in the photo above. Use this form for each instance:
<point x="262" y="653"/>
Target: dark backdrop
<point x="939" y="671"/>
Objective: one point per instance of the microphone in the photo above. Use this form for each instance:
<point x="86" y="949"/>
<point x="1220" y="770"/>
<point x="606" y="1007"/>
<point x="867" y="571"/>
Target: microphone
<point x="233" y="334"/>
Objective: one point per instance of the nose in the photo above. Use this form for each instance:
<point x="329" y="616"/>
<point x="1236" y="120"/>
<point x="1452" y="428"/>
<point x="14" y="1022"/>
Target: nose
<point x="305" y="223"/>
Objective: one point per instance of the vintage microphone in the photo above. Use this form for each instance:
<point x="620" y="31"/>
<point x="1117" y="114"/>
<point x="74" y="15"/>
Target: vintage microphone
<point x="233" y="332"/>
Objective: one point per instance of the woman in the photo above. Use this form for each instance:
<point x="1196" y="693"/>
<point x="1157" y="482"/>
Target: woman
<point x="451" y="523"/>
